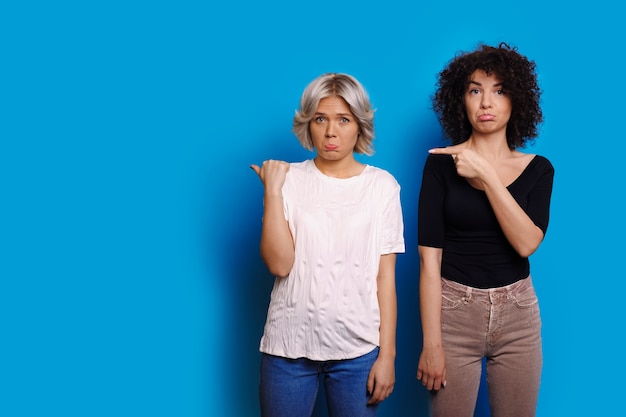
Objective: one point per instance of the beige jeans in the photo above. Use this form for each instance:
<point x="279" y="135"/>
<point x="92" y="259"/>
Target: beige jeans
<point x="503" y="326"/>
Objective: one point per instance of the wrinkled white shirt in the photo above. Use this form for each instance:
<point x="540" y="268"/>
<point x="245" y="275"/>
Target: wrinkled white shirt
<point x="327" y="307"/>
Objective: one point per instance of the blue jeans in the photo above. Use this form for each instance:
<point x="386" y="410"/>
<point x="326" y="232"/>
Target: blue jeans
<point x="289" y="386"/>
<point x="502" y="325"/>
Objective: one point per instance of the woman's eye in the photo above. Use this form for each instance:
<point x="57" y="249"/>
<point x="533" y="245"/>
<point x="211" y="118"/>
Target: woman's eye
<point x="319" y="119"/>
<point x="473" y="91"/>
<point x="345" y="120"/>
<point x="500" y="92"/>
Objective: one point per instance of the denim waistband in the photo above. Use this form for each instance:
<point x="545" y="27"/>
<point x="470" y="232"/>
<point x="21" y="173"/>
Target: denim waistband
<point x="489" y="293"/>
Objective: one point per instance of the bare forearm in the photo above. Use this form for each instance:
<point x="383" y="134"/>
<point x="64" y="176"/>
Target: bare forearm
<point x="519" y="229"/>
<point x="387" y="301"/>
<point x="430" y="295"/>
<point x="277" y="247"/>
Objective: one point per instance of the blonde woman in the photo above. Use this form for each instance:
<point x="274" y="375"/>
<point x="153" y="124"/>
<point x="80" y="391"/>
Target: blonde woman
<point x="332" y="227"/>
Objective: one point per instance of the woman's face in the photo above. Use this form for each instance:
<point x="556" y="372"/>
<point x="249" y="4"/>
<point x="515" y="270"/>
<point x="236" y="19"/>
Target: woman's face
<point x="487" y="105"/>
<point x="334" y="129"/>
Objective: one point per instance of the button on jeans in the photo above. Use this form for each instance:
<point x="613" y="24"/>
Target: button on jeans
<point x="289" y="386"/>
<point x="502" y="325"/>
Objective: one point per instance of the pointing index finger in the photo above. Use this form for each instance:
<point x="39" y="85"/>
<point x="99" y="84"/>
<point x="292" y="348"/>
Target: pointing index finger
<point x="448" y="150"/>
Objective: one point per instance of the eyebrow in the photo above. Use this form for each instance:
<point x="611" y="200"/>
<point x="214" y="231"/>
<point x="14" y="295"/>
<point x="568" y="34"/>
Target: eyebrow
<point x="480" y="85"/>
<point x="336" y="114"/>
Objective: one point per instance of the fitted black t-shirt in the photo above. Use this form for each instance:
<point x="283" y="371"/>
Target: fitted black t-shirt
<point x="458" y="218"/>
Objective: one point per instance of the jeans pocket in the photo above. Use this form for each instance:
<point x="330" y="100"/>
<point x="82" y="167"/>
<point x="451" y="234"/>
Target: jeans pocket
<point x="525" y="298"/>
<point x="451" y="300"/>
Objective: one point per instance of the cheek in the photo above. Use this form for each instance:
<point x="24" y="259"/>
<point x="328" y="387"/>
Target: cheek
<point x="352" y="137"/>
<point x="470" y="105"/>
<point x="315" y="131"/>
<point x="506" y="108"/>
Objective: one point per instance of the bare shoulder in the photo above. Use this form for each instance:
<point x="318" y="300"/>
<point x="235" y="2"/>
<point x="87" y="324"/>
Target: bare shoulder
<point x="513" y="167"/>
<point x="521" y="160"/>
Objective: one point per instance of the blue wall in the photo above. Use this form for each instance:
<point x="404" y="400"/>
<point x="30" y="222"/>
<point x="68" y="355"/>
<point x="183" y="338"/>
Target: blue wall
<point x="130" y="279"/>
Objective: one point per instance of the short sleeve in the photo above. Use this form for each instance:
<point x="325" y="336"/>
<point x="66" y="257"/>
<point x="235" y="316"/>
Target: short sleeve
<point x="430" y="212"/>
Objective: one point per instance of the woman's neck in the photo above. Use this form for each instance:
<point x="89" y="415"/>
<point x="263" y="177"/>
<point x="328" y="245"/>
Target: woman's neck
<point x="345" y="168"/>
<point x="492" y="147"/>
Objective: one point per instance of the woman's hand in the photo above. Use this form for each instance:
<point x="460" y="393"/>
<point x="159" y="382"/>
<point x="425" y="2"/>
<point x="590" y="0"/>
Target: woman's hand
<point x="272" y="174"/>
<point x="381" y="380"/>
<point x="431" y="369"/>
<point x="469" y="164"/>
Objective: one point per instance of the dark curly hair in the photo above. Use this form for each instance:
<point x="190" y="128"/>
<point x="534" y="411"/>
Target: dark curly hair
<point x="519" y="82"/>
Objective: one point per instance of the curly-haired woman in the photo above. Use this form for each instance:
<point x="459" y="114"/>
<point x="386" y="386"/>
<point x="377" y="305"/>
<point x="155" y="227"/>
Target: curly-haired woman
<point x="483" y="210"/>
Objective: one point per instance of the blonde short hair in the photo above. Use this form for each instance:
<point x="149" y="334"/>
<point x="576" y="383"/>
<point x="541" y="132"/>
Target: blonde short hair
<point x="336" y="85"/>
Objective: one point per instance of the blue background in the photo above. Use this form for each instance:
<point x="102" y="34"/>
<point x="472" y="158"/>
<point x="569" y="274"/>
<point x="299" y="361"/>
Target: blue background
<point x="130" y="278"/>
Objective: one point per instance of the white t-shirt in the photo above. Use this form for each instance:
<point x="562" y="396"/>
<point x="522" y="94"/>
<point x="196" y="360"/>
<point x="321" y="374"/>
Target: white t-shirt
<point x="327" y="308"/>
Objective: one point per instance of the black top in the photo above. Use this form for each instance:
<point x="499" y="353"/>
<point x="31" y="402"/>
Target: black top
<point x="457" y="217"/>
